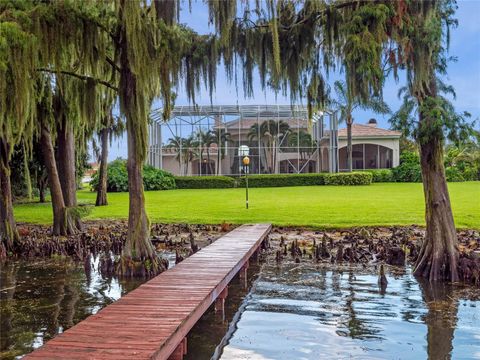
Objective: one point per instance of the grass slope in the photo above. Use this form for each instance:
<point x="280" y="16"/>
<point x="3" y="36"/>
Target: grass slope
<point x="316" y="206"/>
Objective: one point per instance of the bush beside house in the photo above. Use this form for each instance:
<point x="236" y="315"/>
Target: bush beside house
<point x="117" y="181"/>
<point x="409" y="169"/>
<point x="381" y="175"/>
<point x="282" y="180"/>
<point x="204" y="182"/>
<point x="353" y="178"/>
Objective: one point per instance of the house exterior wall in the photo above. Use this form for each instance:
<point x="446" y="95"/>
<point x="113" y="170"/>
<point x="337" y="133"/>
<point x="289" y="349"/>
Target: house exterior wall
<point x="287" y="159"/>
<point x="391" y="143"/>
<point x="170" y="164"/>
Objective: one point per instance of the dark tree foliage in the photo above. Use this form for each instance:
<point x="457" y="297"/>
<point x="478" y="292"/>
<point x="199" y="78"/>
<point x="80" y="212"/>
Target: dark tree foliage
<point x="136" y="49"/>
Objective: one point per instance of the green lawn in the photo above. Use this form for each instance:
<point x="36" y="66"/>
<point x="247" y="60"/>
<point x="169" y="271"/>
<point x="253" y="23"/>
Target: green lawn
<point x="316" y="206"/>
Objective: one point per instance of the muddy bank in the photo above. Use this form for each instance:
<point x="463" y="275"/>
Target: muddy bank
<point x="108" y="237"/>
<point x="367" y="246"/>
<point x="370" y="247"/>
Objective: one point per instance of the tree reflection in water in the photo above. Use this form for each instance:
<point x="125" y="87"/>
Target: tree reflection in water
<point x="339" y="310"/>
<point x="441" y="318"/>
<point x="41" y="298"/>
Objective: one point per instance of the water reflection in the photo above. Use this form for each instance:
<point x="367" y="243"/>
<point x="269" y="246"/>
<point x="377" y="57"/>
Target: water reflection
<point x="41" y="298"/>
<point x="441" y="319"/>
<point x="209" y="331"/>
<point x="308" y="312"/>
<point x="291" y="311"/>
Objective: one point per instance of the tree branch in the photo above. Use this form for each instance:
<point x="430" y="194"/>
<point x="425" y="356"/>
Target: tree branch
<point x="302" y="20"/>
<point x="79" y="76"/>
<point x="112" y="63"/>
<point x="100" y="26"/>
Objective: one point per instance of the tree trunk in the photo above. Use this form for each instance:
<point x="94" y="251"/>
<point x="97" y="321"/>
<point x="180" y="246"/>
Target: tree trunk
<point x="102" y="171"/>
<point x="138" y="255"/>
<point x="41" y="191"/>
<point x="138" y="246"/>
<point x="62" y="218"/>
<point x="219" y="155"/>
<point x="218" y="158"/>
<point x="210" y="170"/>
<point x="41" y="184"/>
<point x="349" y="147"/>
<point x="66" y="166"/>
<point x="26" y="174"/>
<point x="8" y="229"/>
<point x="349" y="144"/>
<point x="438" y="258"/>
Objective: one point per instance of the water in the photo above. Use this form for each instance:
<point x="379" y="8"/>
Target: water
<point x="291" y="311"/>
<point x="309" y="312"/>
<point x="42" y="298"/>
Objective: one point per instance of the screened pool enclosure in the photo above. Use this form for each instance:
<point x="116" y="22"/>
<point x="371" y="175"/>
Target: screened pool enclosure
<point x="211" y="140"/>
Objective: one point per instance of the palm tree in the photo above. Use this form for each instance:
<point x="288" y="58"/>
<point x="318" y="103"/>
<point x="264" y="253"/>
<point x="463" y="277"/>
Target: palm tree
<point x="200" y="138"/>
<point x="185" y="149"/>
<point x="220" y="137"/>
<point x="347" y="103"/>
<point x="303" y="140"/>
<point x="206" y="139"/>
<point x="465" y="156"/>
<point x="176" y="143"/>
<point x="190" y="145"/>
<point x="270" y="134"/>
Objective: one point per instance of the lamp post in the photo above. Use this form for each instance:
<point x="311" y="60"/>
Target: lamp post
<point x="246" y="162"/>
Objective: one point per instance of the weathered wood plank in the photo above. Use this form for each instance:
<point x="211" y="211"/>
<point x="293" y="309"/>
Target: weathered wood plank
<point x="153" y="320"/>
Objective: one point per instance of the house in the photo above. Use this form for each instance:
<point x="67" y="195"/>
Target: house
<point x="277" y="139"/>
<point x="88" y="174"/>
<point x="372" y="147"/>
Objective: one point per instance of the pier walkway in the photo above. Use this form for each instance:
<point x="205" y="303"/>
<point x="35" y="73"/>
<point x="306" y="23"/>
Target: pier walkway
<point x="153" y="321"/>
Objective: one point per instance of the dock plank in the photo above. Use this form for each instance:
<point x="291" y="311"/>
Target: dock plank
<point x="151" y="321"/>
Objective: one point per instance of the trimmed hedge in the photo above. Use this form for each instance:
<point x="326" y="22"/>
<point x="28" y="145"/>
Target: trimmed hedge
<point x="204" y="182"/>
<point x="353" y="178"/>
<point x="281" y="180"/>
<point x="381" y="175"/>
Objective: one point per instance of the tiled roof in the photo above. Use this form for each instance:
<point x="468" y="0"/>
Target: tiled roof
<point x="359" y="130"/>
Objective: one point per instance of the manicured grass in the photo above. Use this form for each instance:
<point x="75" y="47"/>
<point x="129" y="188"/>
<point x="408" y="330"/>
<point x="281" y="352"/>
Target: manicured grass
<point x="316" y="206"/>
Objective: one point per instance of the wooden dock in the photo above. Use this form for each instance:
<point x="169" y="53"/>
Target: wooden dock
<point x="153" y="321"/>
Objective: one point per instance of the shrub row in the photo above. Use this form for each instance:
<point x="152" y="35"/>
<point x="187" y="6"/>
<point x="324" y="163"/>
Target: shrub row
<point x="280" y="180"/>
<point x="353" y="178"/>
<point x="381" y="175"/>
<point x="411" y="172"/>
<point x="153" y="179"/>
<point x="204" y="182"/>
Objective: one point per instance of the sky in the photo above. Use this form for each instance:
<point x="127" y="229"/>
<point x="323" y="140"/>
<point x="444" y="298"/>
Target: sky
<point x="463" y="75"/>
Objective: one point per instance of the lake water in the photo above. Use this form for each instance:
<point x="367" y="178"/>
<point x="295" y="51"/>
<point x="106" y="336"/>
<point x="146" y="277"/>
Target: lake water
<point x="290" y="311"/>
<point x="310" y="312"/>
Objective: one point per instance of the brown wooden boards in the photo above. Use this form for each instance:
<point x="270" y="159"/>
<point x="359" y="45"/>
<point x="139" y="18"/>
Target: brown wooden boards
<point x="153" y="320"/>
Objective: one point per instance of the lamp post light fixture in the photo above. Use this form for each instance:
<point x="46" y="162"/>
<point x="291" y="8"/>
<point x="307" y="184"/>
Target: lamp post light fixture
<point x="246" y="162"/>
